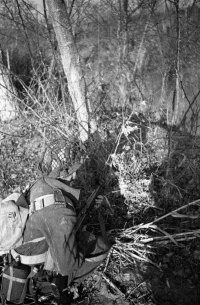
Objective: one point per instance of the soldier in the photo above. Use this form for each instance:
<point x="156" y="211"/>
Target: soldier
<point x="50" y="238"/>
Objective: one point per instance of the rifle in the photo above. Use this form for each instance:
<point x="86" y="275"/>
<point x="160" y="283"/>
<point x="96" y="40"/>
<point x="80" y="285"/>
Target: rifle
<point x="83" y="212"/>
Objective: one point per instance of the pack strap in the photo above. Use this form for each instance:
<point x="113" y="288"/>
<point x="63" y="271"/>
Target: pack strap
<point x="36" y="240"/>
<point x="30" y="259"/>
<point x="97" y="258"/>
<point x="13" y="278"/>
<point x="41" y="202"/>
<point x="50" y="199"/>
<point x="10" y="285"/>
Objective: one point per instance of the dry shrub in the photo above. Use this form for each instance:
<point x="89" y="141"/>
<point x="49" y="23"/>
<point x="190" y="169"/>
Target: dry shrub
<point x="46" y="104"/>
<point x="140" y="152"/>
<point x="159" y="174"/>
<point x="140" y="166"/>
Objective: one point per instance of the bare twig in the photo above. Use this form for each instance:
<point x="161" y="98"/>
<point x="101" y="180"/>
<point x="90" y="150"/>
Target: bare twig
<point x="172" y="212"/>
<point x="177" y="237"/>
<point x="107" y="261"/>
<point x="112" y="285"/>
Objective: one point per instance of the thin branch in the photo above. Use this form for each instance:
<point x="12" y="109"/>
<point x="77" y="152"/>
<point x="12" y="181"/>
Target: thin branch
<point x="71" y="7"/>
<point x="190" y="105"/>
<point x="25" y="30"/>
<point x="32" y="7"/>
<point x="172" y="212"/>
<point x="48" y="25"/>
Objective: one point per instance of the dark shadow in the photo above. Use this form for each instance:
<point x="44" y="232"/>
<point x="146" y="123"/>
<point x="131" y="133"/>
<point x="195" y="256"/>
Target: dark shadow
<point x="156" y="182"/>
<point x="169" y="166"/>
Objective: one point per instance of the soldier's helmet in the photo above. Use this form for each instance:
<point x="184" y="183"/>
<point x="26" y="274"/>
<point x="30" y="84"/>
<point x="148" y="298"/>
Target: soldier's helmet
<point x="62" y="158"/>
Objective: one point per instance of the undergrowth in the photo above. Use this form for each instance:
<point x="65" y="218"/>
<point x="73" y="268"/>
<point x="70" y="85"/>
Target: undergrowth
<point x="144" y="170"/>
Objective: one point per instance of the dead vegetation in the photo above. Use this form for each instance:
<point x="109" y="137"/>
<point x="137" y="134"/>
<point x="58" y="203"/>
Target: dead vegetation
<point x="148" y="169"/>
<point x="153" y="190"/>
<point x="150" y="175"/>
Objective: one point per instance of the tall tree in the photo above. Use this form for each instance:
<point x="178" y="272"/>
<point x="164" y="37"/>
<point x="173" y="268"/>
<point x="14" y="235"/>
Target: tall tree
<point x="72" y="66"/>
<point x="8" y="102"/>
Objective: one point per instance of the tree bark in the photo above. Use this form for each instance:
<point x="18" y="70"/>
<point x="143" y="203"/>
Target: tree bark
<point x="176" y="102"/>
<point x="72" y="67"/>
<point x="8" y="95"/>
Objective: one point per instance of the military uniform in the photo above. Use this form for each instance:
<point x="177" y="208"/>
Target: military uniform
<point x="50" y="231"/>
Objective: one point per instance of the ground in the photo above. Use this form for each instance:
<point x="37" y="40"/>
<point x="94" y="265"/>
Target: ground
<point x="162" y="271"/>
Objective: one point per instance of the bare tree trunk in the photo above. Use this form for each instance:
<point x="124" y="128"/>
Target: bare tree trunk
<point x="176" y="102"/>
<point x="8" y="95"/>
<point x="72" y="67"/>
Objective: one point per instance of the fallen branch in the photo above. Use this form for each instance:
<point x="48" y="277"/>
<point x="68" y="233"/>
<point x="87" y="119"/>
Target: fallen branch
<point x="169" y="214"/>
<point x="107" y="261"/>
<point x="112" y="285"/>
<point x="178" y="237"/>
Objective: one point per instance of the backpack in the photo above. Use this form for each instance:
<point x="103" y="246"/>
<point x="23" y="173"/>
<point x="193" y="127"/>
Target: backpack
<point x="12" y="223"/>
<point x="14" y="210"/>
